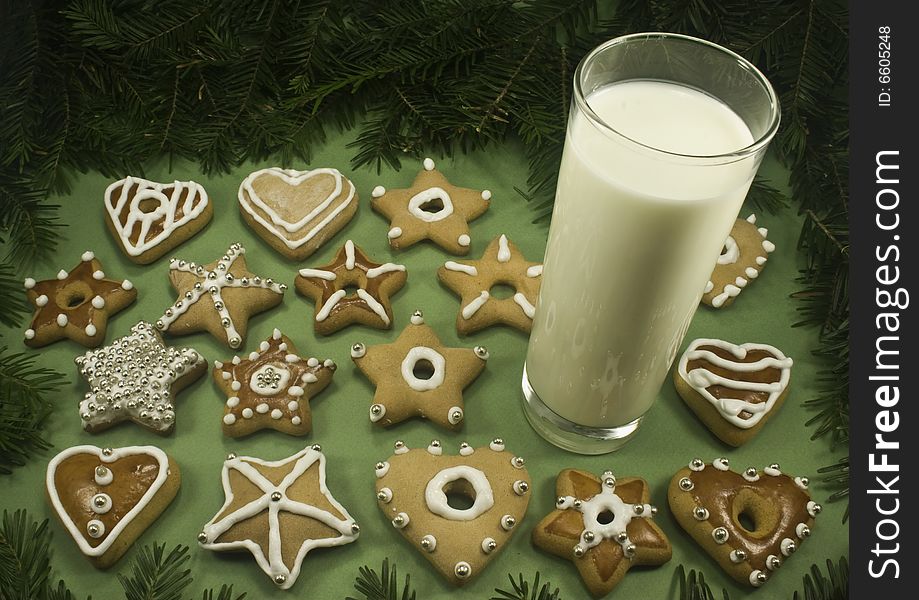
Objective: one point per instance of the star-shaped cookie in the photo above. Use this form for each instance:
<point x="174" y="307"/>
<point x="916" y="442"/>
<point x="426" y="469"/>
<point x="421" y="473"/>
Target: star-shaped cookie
<point x="472" y="280"/>
<point x="278" y="511"/>
<point x="135" y="379"/>
<point x="351" y="268"/>
<point x="218" y="297"/>
<point x="271" y="388"/>
<point x="604" y="526"/>
<point x="432" y="209"/>
<point x="76" y="305"/>
<point x="418" y="376"/>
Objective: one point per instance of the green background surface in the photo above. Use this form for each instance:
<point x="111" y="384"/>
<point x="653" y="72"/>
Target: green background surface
<point x="668" y="439"/>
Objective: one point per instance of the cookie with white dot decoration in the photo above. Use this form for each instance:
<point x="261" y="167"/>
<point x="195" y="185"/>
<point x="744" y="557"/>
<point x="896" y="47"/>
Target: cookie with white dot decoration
<point x="749" y="522"/>
<point x="459" y="511"/>
<point x="744" y="255"/>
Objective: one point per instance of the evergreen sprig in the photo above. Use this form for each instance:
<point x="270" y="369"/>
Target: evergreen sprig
<point x="834" y="585"/>
<point x="383" y="585"/>
<point x="527" y="589"/>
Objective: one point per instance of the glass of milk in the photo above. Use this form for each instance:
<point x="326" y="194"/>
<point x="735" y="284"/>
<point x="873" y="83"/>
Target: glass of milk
<point x="665" y="134"/>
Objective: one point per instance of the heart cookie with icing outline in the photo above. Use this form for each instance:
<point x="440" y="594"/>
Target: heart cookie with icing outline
<point x="459" y="511"/>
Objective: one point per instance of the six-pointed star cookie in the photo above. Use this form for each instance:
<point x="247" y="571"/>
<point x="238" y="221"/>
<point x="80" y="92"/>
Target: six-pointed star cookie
<point x="271" y="388"/>
<point x="76" y="305"/>
<point x="218" y="297"/>
<point x="369" y="305"/>
<point x="604" y="526"/>
<point x="278" y="511"/>
<point x="432" y="209"/>
<point x="472" y="280"/>
<point x="134" y="378"/>
<point x="418" y="376"/>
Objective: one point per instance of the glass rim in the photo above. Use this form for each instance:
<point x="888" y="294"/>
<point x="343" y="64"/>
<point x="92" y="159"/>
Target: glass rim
<point x="757" y="145"/>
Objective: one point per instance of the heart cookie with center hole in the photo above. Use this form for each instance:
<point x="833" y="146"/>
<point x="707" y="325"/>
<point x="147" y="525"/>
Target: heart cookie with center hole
<point x="106" y="498"/>
<point x="297" y="211"/>
<point x="459" y="511"/>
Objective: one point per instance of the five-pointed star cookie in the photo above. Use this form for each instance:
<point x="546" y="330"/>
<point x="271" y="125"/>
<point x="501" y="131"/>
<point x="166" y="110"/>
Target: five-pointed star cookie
<point x="604" y="525"/>
<point x="218" y="297"/>
<point x="369" y="305"/>
<point x="278" y="511"/>
<point x="472" y="280"/>
<point x="418" y="376"/>
<point x="76" y="305"/>
<point x="271" y="388"/>
<point x="135" y="378"/>
<point x="432" y="209"/>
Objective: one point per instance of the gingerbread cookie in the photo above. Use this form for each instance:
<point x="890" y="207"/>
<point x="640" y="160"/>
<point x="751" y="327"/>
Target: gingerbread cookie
<point x="135" y="379"/>
<point x="743" y="257"/>
<point x="76" y="305"/>
<point x="271" y="388"/>
<point x="369" y="305"/>
<point x="472" y="280"/>
<point x="432" y="209"/>
<point x="106" y="498"/>
<point x="750" y="523"/>
<point x="458" y="511"/>
<point x="734" y="389"/>
<point x="297" y="211"/>
<point x="148" y="219"/>
<point x="418" y="376"/>
<point x="218" y="297"/>
<point x="604" y="525"/>
<point x="278" y="511"/>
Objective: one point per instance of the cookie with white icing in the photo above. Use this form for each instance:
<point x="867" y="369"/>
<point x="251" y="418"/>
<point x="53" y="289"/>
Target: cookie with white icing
<point x="750" y="522"/>
<point x="604" y="525"/>
<point x="107" y="497"/>
<point x="279" y="511"/>
<point x="743" y="257"/>
<point x="734" y="389"/>
<point x="459" y="511"/>
<point x="297" y="211"/>
<point x="148" y="219"/>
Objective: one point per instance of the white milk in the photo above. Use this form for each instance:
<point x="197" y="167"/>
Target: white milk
<point x="633" y="240"/>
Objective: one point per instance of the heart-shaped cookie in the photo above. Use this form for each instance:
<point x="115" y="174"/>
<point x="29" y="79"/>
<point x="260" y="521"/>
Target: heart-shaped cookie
<point x="743" y="257"/>
<point x="297" y="211"/>
<point x="749" y="522"/>
<point x="459" y="511"/>
<point x="107" y="497"/>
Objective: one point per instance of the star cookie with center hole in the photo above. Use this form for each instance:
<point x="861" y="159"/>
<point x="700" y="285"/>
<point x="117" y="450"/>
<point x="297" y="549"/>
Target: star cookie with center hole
<point x="432" y="209"/>
<point x="604" y="525"/>
<point x="336" y="307"/>
<point x="75" y="305"/>
<point x="418" y="376"/>
<point x="271" y="388"/>
<point x="218" y="297"/>
<point x="502" y="264"/>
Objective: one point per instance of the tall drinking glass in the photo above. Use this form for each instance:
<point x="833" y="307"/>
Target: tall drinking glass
<point x="664" y="137"/>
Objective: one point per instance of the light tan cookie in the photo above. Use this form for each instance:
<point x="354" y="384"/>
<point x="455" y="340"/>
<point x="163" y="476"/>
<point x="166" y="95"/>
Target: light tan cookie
<point x="459" y="511"/>
<point x="604" y="525"/>
<point x="297" y="211"/>
<point x="135" y="378"/>
<point x="733" y="389"/>
<point x="272" y="388"/>
<point x="432" y="209"/>
<point x="106" y="498"/>
<point x="418" y="376"/>
<point x="76" y="305"/>
<point x="218" y="297"/>
<point x="749" y="523"/>
<point x="472" y="280"/>
<point x="279" y="511"/>
<point x="743" y="257"/>
<point x="148" y="219"/>
<point x="335" y="306"/>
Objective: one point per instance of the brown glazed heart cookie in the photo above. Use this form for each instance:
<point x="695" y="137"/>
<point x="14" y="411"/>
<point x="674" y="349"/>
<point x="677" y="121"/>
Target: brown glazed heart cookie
<point x="419" y="491"/>
<point x="106" y="498"/>
<point x="749" y="522"/>
<point x="744" y="255"/>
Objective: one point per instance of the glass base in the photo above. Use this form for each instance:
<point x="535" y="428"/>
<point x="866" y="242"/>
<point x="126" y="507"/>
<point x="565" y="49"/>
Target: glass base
<point x="581" y="439"/>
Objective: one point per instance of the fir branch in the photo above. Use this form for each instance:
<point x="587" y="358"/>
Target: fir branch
<point x="832" y="586"/>
<point x="12" y="299"/>
<point x="25" y="556"/>
<point x="692" y="586"/>
<point x="523" y="589"/>
<point x="225" y="593"/>
<point x="156" y="576"/>
<point x="382" y="586"/>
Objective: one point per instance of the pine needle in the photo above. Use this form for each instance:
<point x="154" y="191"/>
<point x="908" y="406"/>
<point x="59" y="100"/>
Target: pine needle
<point x="527" y="589"/>
<point x="383" y="586"/>
<point x="156" y="575"/>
